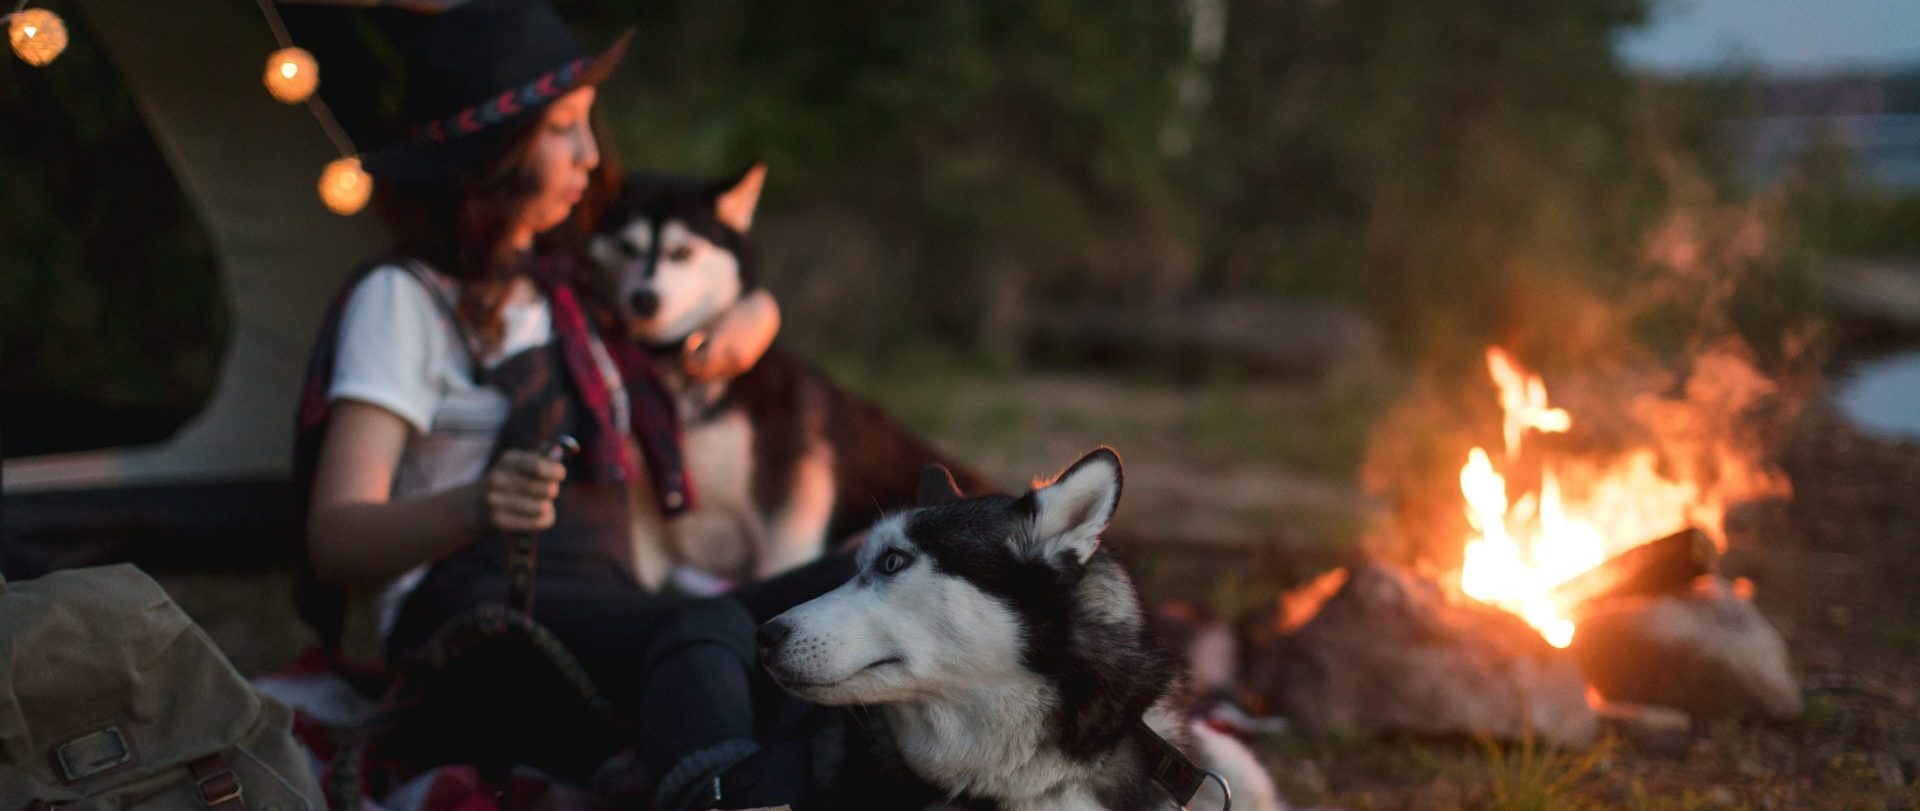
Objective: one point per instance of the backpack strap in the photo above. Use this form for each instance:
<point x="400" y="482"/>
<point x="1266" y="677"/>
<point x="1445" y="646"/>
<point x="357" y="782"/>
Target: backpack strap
<point x="468" y="341"/>
<point x="219" y="786"/>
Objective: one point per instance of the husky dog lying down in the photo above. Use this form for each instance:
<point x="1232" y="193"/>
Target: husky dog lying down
<point x="1006" y="658"/>
<point x="781" y="458"/>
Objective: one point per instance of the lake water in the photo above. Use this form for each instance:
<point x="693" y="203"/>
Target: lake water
<point x="1882" y="396"/>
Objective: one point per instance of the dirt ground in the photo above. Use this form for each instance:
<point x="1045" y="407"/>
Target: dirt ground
<point x="1236" y="490"/>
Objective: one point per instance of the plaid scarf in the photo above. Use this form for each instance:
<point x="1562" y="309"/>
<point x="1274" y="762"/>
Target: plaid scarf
<point x="650" y="407"/>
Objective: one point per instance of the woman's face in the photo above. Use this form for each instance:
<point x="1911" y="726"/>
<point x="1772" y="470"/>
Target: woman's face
<point x="563" y="153"/>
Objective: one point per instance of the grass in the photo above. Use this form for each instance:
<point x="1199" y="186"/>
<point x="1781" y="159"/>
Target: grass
<point x="1320" y="427"/>
<point x="1640" y="798"/>
<point x="1528" y="777"/>
<point x="1348" y="771"/>
<point x="1897" y="633"/>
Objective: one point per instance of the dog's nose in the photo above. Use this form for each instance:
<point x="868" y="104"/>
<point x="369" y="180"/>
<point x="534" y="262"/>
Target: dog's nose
<point x="644" y="303"/>
<point x="773" y="633"/>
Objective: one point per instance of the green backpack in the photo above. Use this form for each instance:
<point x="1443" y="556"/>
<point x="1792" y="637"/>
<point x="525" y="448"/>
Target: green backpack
<point x="112" y="698"/>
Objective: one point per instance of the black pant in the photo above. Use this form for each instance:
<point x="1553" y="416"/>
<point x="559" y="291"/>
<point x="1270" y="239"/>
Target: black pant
<point x="680" y="672"/>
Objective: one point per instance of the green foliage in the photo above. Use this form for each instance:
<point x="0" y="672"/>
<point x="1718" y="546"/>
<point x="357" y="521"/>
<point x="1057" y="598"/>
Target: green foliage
<point x="952" y="137"/>
<point x="946" y="170"/>
<point x="1451" y="167"/>
<point x="1841" y="213"/>
<point x="107" y="284"/>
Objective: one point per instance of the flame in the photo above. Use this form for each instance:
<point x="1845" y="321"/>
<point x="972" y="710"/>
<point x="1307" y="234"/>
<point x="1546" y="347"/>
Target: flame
<point x="1521" y="549"/>
<point x="1524" y="398"/>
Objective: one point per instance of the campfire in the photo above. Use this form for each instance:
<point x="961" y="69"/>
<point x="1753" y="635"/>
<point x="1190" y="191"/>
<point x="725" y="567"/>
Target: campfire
<point x="1585" y="582"/>
<point x="1528" y="548"/>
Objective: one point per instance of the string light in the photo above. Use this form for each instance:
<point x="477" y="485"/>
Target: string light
<point x="292" y="75"/>
<point x="345" y="187"/>
<point x="36" y="34"/>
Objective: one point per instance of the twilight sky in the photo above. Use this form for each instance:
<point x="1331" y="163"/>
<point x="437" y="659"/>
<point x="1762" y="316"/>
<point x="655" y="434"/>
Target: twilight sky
<point x="1780" y="36"/>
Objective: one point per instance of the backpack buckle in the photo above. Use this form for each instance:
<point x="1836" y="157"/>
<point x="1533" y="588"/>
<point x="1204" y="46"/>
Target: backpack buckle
<point x="224" y="788"/>
<point x="93" y="754"/>
<point x="218" y="784"/>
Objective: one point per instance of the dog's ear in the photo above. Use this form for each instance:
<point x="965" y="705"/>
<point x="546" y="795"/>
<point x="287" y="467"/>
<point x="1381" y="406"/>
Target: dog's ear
<point x="937" y="485"/>
<point x="604" y="250"/>
<point x="1068" y="514"/>
<point x="735" y="206"/>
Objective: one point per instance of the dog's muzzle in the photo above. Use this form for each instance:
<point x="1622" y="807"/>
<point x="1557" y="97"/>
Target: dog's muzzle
<point x="772" y="639"/>
<point x="644" y="303"/>
<point x="772" y="635"/>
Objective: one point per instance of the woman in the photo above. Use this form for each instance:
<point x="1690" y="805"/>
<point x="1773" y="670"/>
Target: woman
<point x="453" y="363"/>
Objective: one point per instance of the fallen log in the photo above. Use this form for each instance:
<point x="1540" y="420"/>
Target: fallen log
<point x="1665" y="566"/>
<point x="1260" y="337"/>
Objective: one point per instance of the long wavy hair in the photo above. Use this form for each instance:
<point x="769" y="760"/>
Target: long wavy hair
<point x="462" y="226"/>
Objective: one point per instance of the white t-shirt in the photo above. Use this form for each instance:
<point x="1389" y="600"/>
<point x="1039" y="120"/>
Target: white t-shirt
<point x="400" y="350"/>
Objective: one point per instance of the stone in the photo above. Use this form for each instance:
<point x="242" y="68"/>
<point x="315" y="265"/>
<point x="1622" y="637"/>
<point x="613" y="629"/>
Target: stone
<point x="1887" y="767"/>
<point x="1389" y="653"/>
<point x="1650" y="728"/>
<point x="1708" y="652"/>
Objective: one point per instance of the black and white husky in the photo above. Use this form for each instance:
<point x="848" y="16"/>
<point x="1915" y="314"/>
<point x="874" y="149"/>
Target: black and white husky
<point x="1006" y="657"/>
<point x="781" y="459"/>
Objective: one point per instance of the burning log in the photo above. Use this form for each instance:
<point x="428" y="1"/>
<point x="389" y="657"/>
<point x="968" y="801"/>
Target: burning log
<point x="1666" y="566"/>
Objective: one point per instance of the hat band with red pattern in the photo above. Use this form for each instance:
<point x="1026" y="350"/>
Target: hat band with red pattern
<point x="547" y="87"/>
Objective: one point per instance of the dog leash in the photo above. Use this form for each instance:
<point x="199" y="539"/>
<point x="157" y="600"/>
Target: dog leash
<point x="1172" y="770"/>
<point x="523" y="556"/>
<point x="1226" y="791"/>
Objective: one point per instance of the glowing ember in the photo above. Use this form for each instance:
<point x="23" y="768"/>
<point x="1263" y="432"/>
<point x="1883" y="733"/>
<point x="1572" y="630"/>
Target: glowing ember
<point x="1521" y="550"/>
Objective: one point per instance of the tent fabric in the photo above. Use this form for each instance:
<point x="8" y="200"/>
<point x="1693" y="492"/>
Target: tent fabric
<point x="249" y="166"/>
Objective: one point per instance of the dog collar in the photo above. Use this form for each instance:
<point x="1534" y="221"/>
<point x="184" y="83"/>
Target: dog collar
<point x="1173" y="771"/>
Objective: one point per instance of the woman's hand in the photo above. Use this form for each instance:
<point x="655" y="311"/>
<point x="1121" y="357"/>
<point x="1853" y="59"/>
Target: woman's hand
<point x="734" y="341"/>
<point x="357" y="536"/>
<point x="518" y="492"/>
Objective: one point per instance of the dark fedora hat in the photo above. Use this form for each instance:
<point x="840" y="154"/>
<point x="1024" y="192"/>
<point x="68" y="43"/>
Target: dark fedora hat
<point x="472" y="70"/>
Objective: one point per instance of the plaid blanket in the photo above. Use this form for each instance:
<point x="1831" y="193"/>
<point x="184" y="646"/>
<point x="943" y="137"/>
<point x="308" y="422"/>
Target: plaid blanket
<point x="329" y="716"/>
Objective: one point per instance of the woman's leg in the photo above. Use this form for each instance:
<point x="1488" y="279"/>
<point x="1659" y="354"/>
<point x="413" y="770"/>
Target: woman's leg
<point x="681" y="673"/>
<point x="678" y="671"/>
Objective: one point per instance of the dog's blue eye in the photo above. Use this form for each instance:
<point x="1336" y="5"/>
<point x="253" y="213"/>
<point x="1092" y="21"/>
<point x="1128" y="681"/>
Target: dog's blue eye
<point x="893" y="562"/>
